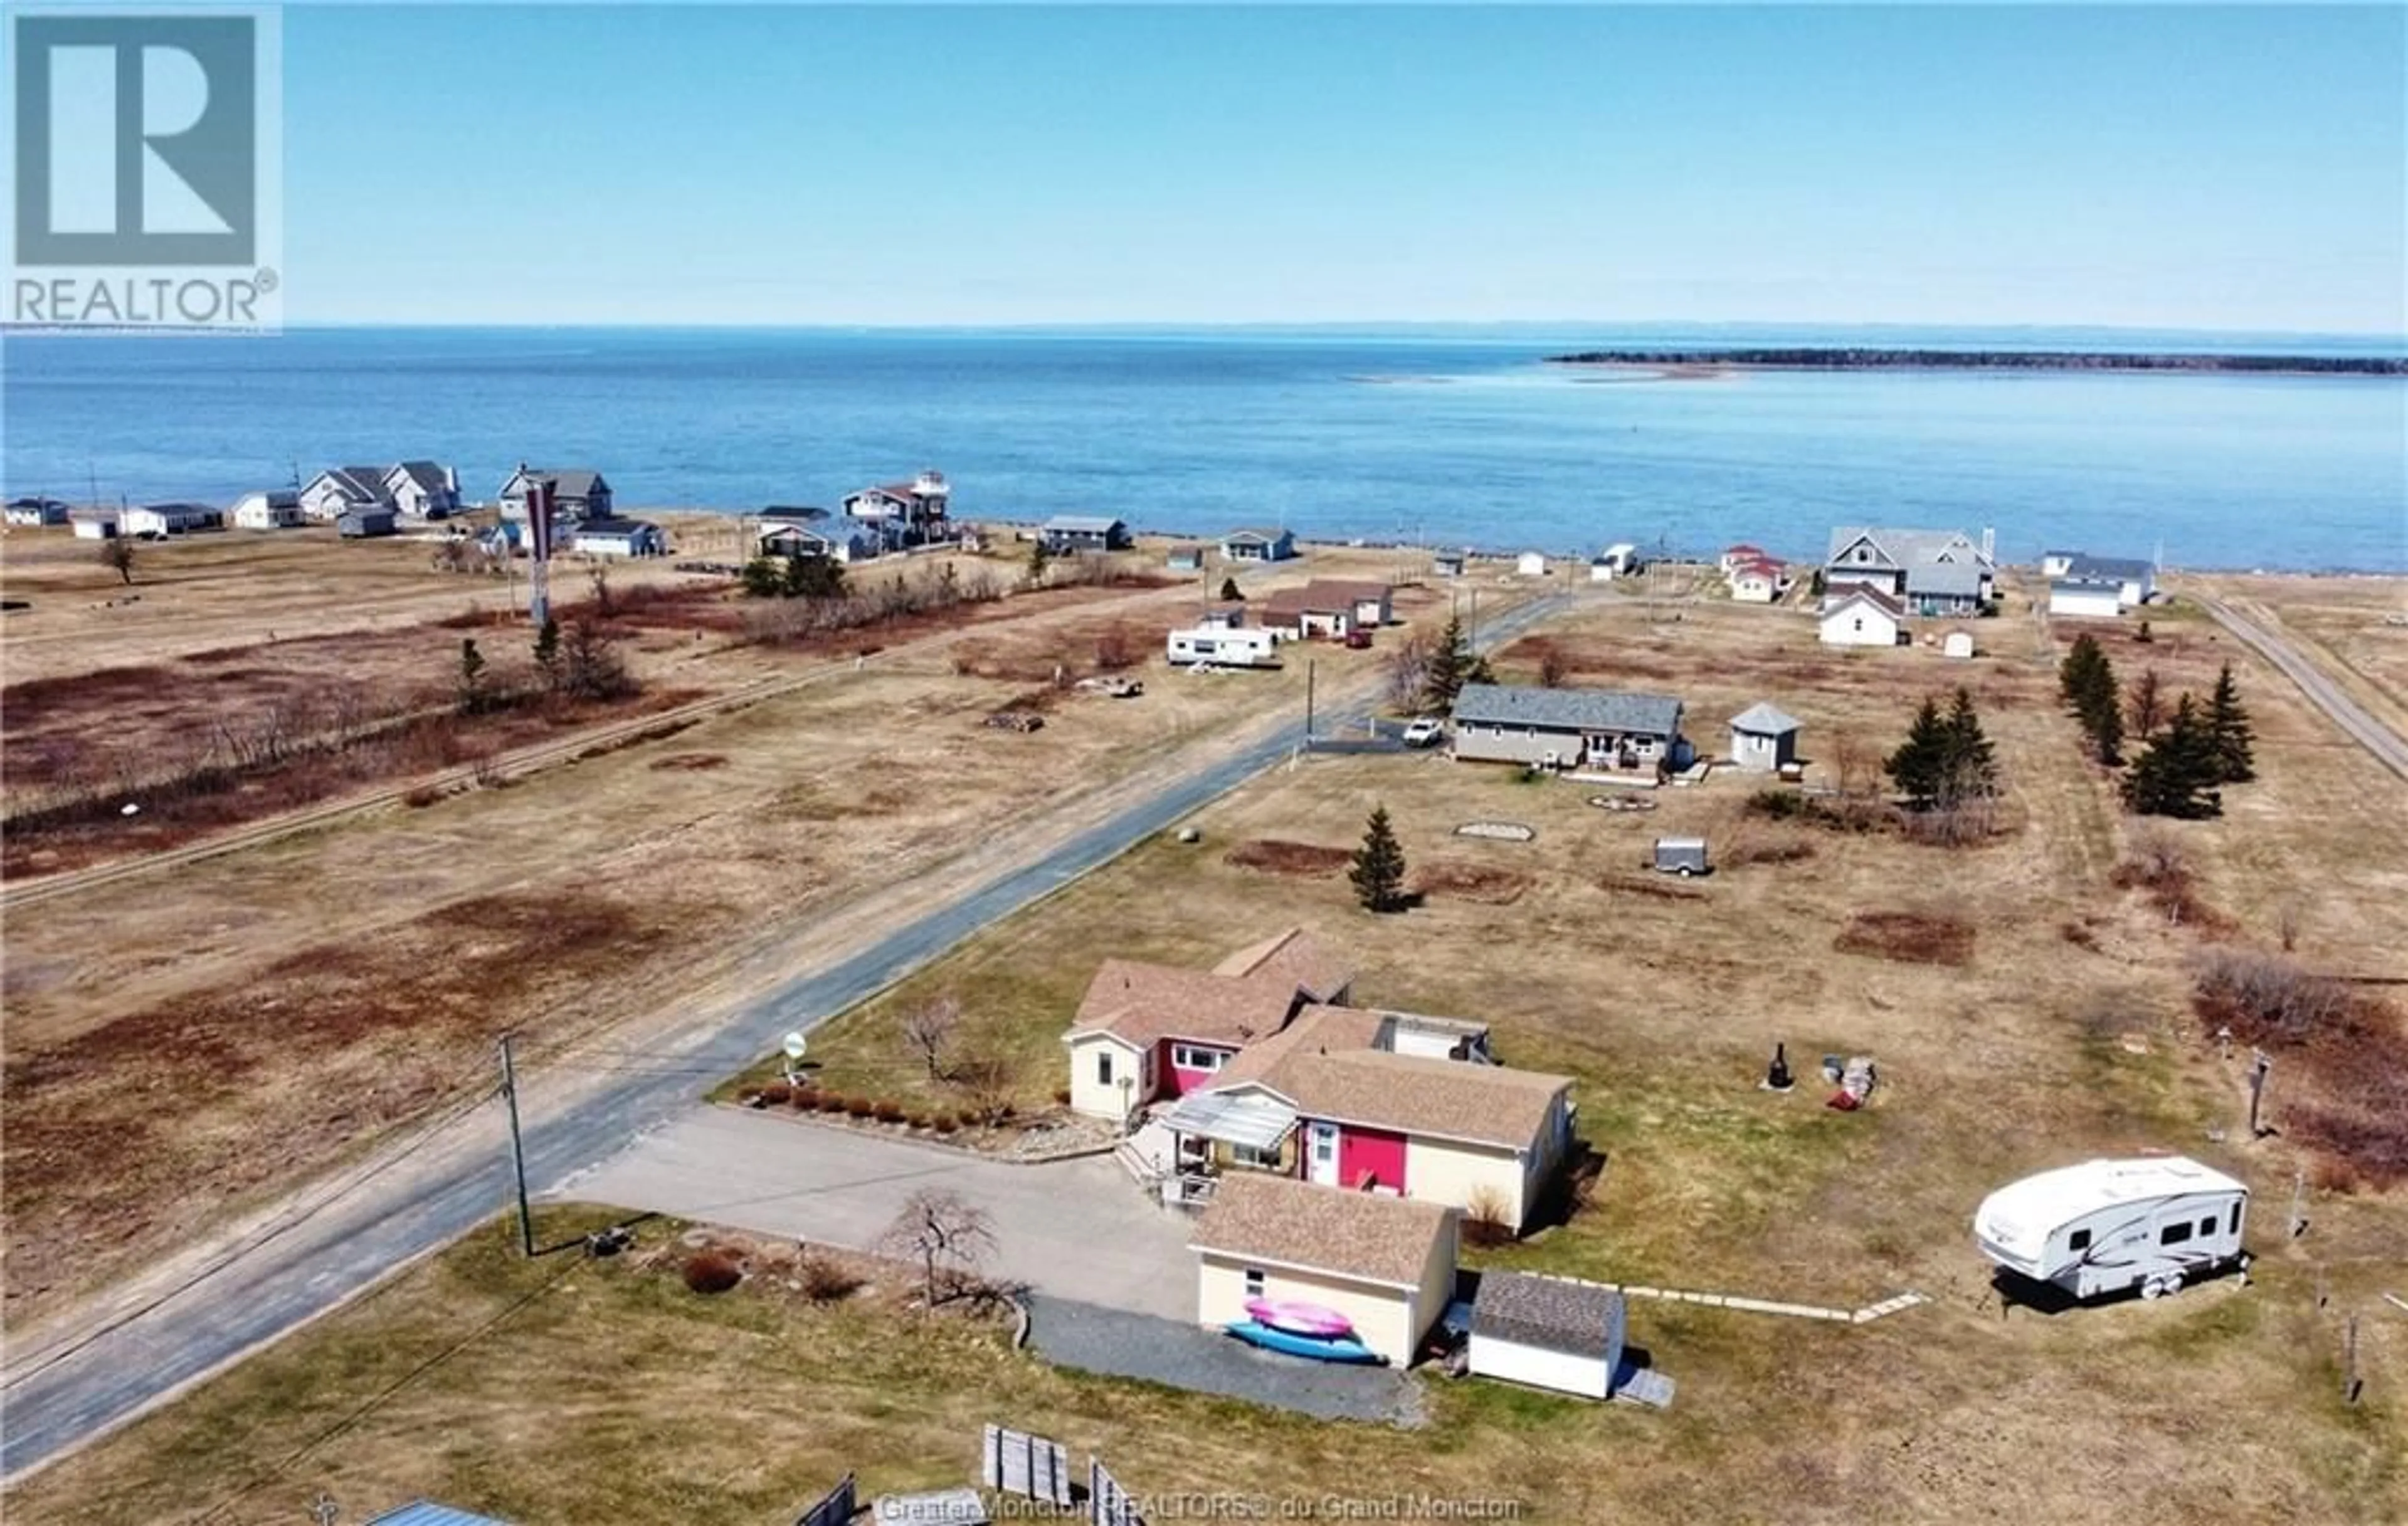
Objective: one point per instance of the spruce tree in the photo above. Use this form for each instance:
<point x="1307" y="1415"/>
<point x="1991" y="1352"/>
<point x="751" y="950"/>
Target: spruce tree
<point x="1451" y="666"/>
<point x="1379" y="871"/>
<point x="1038" y="557"/>
<point x="2177" y="775"/>
<point x="1919" y="767"/>
<point x="1969" y="763"/>
<point x="547" y="651"/>
<point x="471" y="688"/>
<point x="2086" y="681"/>
<point x="2073" y="673"/>
<point x="1229" y="592"/>
<point x="2228" y="730"/>
<point x="762" y="579"/>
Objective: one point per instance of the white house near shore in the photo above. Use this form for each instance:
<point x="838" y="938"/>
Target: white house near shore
<point x="271" y="508"/>
<point x="1862" y="616"/>
<point x="2097" y="587"/>
<point x="622" y="537"/>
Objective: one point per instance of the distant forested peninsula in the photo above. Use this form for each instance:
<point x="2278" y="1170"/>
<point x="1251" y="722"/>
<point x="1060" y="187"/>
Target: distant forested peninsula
<point x="1835" y="359"/>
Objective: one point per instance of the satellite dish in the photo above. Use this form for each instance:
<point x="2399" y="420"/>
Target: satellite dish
<point x="795" y="1046"/>
<point x="129" y="808"/>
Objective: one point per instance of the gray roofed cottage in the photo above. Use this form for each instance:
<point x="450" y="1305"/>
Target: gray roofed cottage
<point x="1764" y="720"/>
<point x="1586" y="728"/>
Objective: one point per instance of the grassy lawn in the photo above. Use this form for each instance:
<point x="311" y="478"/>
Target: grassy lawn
<point x="2065" y="1032"/>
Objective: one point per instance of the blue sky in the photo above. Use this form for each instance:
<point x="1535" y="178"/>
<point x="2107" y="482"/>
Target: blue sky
<point x="2163" y="167"/>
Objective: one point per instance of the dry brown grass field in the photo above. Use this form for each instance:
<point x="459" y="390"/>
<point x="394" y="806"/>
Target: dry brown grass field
<point x="2057" y="1024"/>
<point x="252" y="1019"/>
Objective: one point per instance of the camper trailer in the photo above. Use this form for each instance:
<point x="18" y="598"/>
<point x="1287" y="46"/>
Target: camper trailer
<point x="1223" y="646"/>
<point x="2106" y="1226"/>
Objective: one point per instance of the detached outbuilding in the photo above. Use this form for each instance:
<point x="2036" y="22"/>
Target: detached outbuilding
<point x="1386" y="1263"/>
<point x="1763" y="740"/>
<point x="1548" y="1332"/>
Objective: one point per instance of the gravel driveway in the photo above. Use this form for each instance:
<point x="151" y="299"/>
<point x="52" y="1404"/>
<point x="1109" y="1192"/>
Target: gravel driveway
<point x="1181" y="1355"/>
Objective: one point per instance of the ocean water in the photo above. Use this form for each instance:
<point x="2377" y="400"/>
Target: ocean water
<point x="1448" y="437"/>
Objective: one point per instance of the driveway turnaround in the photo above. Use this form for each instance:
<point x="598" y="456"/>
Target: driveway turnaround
<point x="1078" y="1230"/>
<point x="1180" y="1354"/>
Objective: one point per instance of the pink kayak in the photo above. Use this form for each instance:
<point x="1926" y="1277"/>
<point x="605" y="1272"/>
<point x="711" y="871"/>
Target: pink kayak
<point x="1300" y="1319"/>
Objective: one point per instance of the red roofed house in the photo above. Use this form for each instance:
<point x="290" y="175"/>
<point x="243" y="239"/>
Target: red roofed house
<point x="1147" y="1032"/>
<point x="1758" y="581"/>
<point x="1735" y="556"/>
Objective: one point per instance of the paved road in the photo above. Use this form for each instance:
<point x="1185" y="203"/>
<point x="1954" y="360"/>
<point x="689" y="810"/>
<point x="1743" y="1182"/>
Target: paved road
<point x="54" y="1401"/>
<point x="2327" y="696"/>
<point x="1076" y="1228"/>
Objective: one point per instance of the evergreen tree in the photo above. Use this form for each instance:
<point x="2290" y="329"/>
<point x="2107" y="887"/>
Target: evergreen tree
<point x="471" y="688"/>
<point x="1969" y="763"/>
<point x="2178" y="775"/>
<point x="547" y="651"/>
<point x="811" y="577"/>
<point x="2073" y="672"/>
<point x="2086" y="681"/>
<point x="1038" y="559"/>
<point x="2228" y="729"/>
<point x="762" y="579"/>
<point x="1229" y="594"/>
<point x="1378" y="871"/>
<point x="1451" y="666"/>
<point x="1919" y="767"/>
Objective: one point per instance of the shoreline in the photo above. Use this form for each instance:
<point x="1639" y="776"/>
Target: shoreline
<point x="1820" y="358"/>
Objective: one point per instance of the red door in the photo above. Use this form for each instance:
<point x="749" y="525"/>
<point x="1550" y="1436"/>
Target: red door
<point x="1370" y="1158"/>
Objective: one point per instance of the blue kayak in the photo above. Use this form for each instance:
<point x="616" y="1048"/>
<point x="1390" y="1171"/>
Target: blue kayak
<point x="1320" y="1349"/>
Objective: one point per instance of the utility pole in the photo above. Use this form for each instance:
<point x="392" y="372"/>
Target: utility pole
<point x="517" y="1149"/>
<point x="1310" y="664"/>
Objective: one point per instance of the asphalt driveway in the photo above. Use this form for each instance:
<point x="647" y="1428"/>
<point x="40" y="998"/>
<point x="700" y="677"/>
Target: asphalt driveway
<point x="1075" y="1229"/>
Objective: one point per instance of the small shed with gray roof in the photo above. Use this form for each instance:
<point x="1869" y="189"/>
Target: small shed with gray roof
<point x="1083" y="533"/>
<point x="1567" y="728"/>
<point x="1548" y="1332"/>
<point x="1764" y="740"/>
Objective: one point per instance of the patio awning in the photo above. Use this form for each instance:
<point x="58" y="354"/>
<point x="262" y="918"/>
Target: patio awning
<point x="1254" y="1122"/>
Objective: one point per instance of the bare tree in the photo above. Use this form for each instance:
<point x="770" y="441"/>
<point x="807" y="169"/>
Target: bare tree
<point x="1407" y="670"/>
<point x="947" y="1237"/>
<point x="2144" y="705"/>
<point x="598" y="579"/>
<point x="1552" y="667"/>
<point x="2287" y="924"/>
<point x="116" y="555"/>
<point x="928" y="1029"/>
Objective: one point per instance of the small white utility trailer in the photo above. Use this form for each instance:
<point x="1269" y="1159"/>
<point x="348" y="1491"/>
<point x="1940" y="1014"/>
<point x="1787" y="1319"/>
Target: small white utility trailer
<point x="2105" y="1226"/>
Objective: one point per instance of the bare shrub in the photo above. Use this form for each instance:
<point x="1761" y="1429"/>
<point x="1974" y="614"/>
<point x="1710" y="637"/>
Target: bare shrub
<point x="947" y="1123"/>
<point x="711" y="1271"/>
<point x="1487" y="1218"/>
<point x="859" y="1107"/>
<point x="1405" y="670"/>
<point x="421" y="797"/>
<point x="777" y="1093"/>
<point x="2274" y="998"/>
<point x="1115" y="649"/>
<point x="2157" y="864"/>
<point x="986" y="1086"/>
<point x="1552" y="667"/>
<point x="829" y="1101"/>
<point x="825" y="1279"/>
<point x="887" y="1112"/>
<point x="804" y="1099"/>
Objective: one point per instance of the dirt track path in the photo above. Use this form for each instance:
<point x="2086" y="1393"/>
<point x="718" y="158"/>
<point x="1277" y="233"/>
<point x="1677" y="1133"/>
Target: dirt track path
<point x="2360" y="724"/>
<point x="83" y="1375"/>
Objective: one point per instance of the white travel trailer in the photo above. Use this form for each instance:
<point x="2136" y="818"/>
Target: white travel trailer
<point x="1223" y="645"/>
<point x="2106" y="1226"/>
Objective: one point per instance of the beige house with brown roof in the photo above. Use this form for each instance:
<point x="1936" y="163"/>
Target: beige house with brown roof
<point x="1144" y="1032"/>
<point x="1327" y="606"/>
<point x="1348" y="1111"/>
<point x="1387" y="1263"/>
